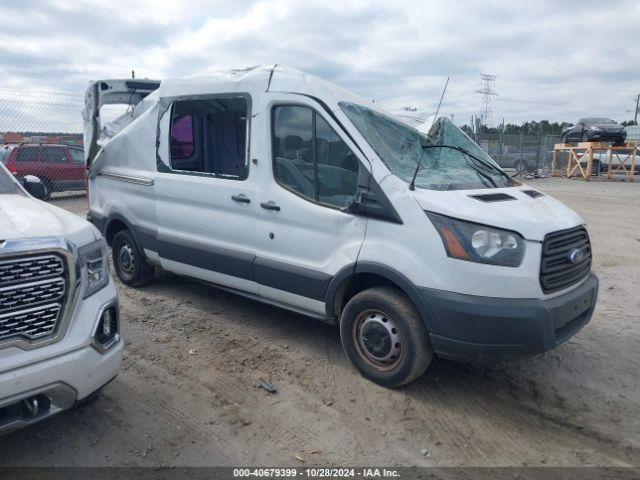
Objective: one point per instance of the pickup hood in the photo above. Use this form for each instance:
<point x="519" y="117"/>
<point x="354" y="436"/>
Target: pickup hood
<point x="25" y="217"/>
<point x="532" y="218"/>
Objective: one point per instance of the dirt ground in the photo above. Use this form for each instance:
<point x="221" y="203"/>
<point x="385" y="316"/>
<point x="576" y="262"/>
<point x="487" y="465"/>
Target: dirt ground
<point x="187" y="394"/>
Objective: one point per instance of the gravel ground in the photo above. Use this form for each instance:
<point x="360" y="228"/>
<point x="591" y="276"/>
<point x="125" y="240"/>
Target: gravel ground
<point x="187" y="391"/>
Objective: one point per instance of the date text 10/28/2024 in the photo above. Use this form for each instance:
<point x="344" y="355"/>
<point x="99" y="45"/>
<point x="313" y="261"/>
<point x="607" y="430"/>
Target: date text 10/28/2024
<point x="316" y="473"/>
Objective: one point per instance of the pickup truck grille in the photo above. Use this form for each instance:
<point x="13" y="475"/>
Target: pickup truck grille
<point x="558" y="269"/>
<point x="32" y="296"/>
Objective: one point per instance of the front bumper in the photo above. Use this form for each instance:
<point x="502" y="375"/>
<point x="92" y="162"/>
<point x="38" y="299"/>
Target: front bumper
<point x="58" y="383"/>
<point x="616" y="137"/>
<point x="490" y="330"/>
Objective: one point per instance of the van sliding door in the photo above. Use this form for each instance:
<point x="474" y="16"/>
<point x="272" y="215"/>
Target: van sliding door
<point x="205" y="190"/>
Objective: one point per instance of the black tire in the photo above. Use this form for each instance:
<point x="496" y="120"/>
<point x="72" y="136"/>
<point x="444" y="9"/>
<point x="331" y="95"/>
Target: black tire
<point x="129" y="262"/>
<point x="396" y="330"/>
<point x="48" y="189"/>
<point x="585" y="136"/>
<point x="521" y="167"/>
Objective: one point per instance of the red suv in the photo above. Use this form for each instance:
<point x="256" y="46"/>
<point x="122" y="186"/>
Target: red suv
<point x="59" y="167"/>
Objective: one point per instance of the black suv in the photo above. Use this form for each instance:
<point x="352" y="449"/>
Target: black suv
<point x="594" y="130"/>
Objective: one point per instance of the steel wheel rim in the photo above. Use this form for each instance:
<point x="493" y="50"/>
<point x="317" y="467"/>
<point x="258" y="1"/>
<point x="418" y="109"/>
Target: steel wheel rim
<point x="378" y="340"/>
<point x="126" y="260"/>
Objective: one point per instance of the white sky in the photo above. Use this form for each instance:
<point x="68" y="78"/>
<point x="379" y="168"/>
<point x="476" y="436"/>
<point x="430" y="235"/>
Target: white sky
<point x="553" y="60"/>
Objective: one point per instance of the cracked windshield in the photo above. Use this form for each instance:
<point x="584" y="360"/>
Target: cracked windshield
<point x="445" y="159"/>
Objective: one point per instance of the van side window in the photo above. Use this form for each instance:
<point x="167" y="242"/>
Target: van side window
<point x="210" y="136"/>
<point x="310" y="158"/>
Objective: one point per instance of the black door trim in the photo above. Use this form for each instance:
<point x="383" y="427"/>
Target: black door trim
<point x="302" y="281"/>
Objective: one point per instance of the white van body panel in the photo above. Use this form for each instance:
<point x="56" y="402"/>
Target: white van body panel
<point x="533" y="218"/>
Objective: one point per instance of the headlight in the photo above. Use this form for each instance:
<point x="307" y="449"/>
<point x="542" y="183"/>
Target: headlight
<point x="478" y="243"/>
<point x="95" y="267"/>
<point x="594" y="128"/>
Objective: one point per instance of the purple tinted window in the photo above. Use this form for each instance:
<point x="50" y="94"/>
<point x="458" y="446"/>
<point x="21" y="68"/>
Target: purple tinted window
<point x="181" y="137"/>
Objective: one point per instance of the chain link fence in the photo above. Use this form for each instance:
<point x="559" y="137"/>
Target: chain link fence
<point x="519" y="153"/>
<point x="41" y="135"/>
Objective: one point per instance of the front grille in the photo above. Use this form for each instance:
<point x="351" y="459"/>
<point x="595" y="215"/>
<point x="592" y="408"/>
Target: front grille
<point x="557" y="270"/>
<point x="32" y="296"/>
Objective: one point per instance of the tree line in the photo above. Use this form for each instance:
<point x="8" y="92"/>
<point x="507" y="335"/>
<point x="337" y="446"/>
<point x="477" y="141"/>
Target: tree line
<point x="543" y="127"/>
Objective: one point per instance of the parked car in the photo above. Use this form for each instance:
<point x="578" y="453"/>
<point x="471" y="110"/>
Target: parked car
<point x="59" y="326"/>
<point x="521" y="161"/>
<point x="59" y="167"/>
<point x="289" y="190"/>
<point x="620" y="157"/>
<point x="594" y="130"/>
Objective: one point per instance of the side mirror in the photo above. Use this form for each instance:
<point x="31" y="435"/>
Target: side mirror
<point x="34" y="186"/>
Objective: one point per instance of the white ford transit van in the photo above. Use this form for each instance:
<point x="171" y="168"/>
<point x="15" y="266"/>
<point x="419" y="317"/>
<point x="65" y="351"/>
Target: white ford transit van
<point x="59" y="327"/>
<point x="287" y="189"/>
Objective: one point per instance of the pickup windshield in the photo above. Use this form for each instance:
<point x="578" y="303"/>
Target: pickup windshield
<point x="459" y="165"/>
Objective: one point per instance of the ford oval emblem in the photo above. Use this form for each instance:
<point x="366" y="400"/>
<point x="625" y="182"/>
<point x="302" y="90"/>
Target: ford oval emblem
<point x="576" y="255"/>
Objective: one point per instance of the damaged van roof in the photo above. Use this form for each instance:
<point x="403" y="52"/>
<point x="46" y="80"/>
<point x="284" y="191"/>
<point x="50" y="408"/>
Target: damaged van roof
<point x="267" y="78"/>
<point x="143" y="95"/>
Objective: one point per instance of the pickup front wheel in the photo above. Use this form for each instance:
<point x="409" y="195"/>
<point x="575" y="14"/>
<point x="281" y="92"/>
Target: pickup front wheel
<point x="130" y="265"/>
<point x="383" y="335"/>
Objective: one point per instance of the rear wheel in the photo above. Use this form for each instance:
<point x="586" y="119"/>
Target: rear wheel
<point x="383" y="335"/>
<point x="130" y="265"/>
<point x="48" y="188"/>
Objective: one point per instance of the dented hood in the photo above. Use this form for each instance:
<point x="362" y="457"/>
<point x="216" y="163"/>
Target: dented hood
<point x="532" y="218"/>
<point x="24" y="217"/>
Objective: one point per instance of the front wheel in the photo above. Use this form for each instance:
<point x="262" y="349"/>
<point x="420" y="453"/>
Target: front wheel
<point x="130" y="265"/>
<point x="383" y="335"/>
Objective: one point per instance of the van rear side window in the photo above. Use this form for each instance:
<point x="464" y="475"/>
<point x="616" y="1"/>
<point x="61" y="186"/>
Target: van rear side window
<point x="210" y="136"/>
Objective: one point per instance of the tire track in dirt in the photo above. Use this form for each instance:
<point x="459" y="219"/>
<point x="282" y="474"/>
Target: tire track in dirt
<point x="462" y="407"/>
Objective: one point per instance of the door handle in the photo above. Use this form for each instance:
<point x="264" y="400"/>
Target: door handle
<point x="270" y="205"/>
<point x="242" y="198"/>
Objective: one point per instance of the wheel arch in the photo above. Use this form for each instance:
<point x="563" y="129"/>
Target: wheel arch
<point x="360" y="276"/>
<point x="116" y="223"/>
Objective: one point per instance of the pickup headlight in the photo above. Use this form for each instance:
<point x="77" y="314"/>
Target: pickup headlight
<point x="478" y="243"/>
<point x="94" y="265"/>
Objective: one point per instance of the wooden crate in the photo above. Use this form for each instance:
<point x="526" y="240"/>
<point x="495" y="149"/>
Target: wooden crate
<point x="576" y="153"/>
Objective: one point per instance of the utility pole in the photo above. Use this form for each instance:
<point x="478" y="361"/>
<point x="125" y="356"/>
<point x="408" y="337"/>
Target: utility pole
<point x="635" y="117"/>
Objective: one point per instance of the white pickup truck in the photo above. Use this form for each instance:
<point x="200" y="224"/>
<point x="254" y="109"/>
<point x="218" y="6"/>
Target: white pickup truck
<point x="59" y="322"/>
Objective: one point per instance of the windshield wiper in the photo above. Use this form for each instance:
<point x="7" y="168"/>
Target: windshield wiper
<point x="478" y="165"/>
<point x="412" y="185"/>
